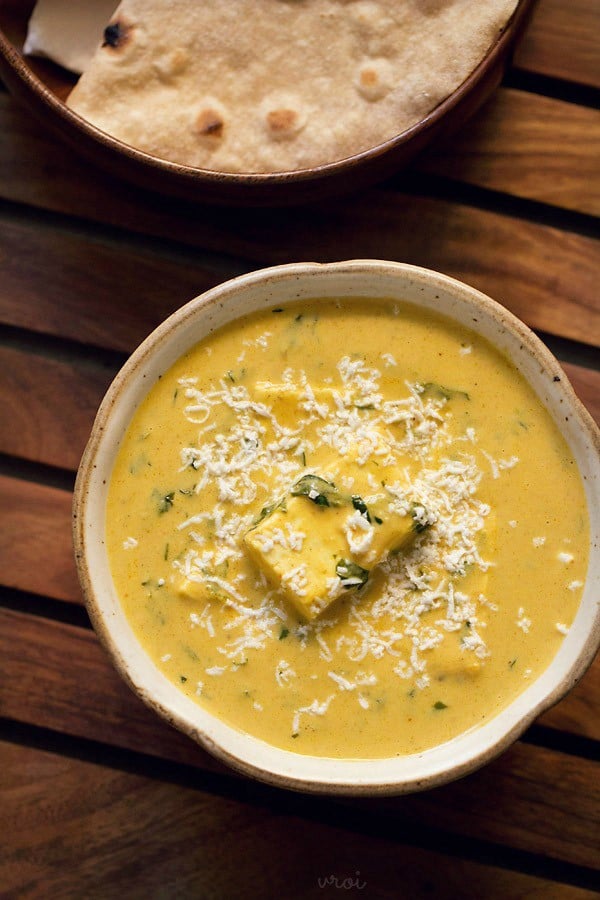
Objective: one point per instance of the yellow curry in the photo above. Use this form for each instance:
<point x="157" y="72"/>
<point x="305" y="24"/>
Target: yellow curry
<point x="348" y="528"/>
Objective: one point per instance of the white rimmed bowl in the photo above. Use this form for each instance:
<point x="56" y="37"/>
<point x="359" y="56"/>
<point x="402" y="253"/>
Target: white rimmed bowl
<point x="276" y="287"/>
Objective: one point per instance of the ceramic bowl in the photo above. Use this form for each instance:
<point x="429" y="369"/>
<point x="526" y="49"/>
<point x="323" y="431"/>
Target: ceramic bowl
<point x="43" y="87"/>
<point x="273" y="288"/>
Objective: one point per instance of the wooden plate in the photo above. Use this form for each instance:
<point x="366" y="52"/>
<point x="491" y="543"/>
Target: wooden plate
<point x="43" y="87"/>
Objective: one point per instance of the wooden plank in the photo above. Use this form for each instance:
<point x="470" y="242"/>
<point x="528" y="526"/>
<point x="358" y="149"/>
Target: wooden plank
<point x="36" y="552"/>
<point x="561" y="41"/>
<point x="86" y="698"/>
<point x="528" y="146"/>
<point x="70" y="686"/>
<point x="184" y="842"/>
<point x="552" y="791"/>
<point x="127" y="291"/>
<point x="47" y="406"/>
<point x="130" y="292"/>
<point x="546" y="276"/>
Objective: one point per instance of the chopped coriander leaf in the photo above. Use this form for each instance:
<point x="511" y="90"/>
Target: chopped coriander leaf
<point x="267" y="510"/>
<point x="165" y="503"/>
<point x="359" y="504"/>
<point x="439" y="704"/>
<point x="321" y="492"/>
<point x="378" y="520"/>
<point x="439" y="392"/>
<point x="283" y="633"/>
<point x="183" y="678"/>
<point x="351" y="574"/>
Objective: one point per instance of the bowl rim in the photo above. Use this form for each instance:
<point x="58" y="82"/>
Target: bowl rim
<point x="374" y="782"/>
<point x="18" y="63"/>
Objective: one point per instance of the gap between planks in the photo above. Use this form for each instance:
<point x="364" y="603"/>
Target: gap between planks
<point x="363" y="819"/>
<point x="208" y="839"/>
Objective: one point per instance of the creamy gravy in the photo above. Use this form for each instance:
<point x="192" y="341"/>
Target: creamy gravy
<point x="479" y="491"/>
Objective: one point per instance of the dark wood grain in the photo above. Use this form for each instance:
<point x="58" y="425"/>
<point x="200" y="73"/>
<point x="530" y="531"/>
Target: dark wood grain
<point x="97" y="291"/>
<point x="546" y="277"/>
<point x="101" y="292"/>
<point x="190" y="844"/>
<point x="506" y="204"/>
<point x="47" y="406"/>
<point x="540" y="799"/>
<point x="86" y="698"/>
<point x="528" y="146"/>
<point x="561" y="41"/>
<point x="36" y="523"/>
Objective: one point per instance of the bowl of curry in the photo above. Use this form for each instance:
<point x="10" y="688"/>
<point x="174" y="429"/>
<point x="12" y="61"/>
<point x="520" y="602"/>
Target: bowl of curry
<point x="340" y="525"/>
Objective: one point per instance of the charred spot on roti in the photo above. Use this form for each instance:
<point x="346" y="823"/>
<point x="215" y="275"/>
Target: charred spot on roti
<point x="117" y="34"/>
<point x="284" y="119"/>
<point x="374" y="79"/>
<point x="210" y="123"/>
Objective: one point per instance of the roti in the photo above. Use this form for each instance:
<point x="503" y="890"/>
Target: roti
<point x="279" y="85"/>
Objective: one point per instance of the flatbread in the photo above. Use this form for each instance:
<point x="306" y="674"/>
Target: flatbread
<point x="68" y="33"/>
<point x="279" y="85"/>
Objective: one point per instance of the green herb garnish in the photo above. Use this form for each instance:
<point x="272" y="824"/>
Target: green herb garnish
<point x="267" y="510"/>
<point x="283" y="633"/>
<point x="351" y="574"/>
<point x="439" y="704"/>
<point x="359" y="504"/>
<point x="319" y="491"/>
<point x="165" y="503"/>
<point x="439" y="392"/>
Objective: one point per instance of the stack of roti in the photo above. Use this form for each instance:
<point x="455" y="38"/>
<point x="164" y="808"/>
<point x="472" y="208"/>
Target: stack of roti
<point x="278" y="85"/>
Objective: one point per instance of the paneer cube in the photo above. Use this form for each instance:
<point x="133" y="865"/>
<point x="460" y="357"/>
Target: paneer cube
<point x="327" y="534"/>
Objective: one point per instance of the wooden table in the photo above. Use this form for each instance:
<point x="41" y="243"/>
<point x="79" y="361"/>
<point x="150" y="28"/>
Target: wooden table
<point x="99" y="798"/>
